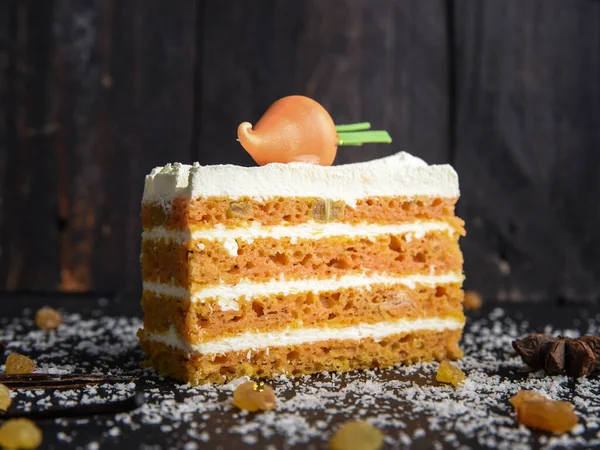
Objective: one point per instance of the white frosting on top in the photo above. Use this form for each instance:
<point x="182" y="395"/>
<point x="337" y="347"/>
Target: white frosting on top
<point x="289" y="337"/>
<point x="398" y="175"/>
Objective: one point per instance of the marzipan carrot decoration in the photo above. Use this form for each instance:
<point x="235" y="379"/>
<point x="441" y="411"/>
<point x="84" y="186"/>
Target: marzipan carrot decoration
<point x="298" y="129"/>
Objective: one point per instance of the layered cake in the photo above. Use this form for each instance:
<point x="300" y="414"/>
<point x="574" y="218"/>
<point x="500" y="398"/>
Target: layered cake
<point x="299" y="268"/>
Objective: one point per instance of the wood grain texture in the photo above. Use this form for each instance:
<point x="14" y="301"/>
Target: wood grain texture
<point x="5" y="74"/>
<point x="6" y="114"/>
<point x="30" y="238"/>
<point x="146" y="77"/>
<point x="106" y="99"/>
<point x="528" y="103"/>
<point x="127" y="78"/>
<point x="361" y="59"/>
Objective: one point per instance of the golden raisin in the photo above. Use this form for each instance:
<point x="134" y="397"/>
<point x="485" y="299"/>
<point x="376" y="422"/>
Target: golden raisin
<point x="472" y="300"/>
<point x="447" y="373"/>
<point x="240" y="210"/>
<point x="336" y="210"/>
<point x="18" y="364"/>
<point x="47" y="318"/>
<point x="536" y="411"/>
<point x="325" y="210"/>
<point x="5" y="399"/>
<point x="356" y="435"/>
<point x="526" y="396"/>
<point x="20" y="434"/>
<point x="253" y="396"/>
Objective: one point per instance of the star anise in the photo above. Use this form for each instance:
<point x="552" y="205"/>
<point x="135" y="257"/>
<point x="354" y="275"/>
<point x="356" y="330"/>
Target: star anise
<point x="577" y="357"/>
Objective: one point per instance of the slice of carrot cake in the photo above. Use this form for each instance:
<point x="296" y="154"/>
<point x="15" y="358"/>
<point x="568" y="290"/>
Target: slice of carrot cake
<point x="299" y="268"/>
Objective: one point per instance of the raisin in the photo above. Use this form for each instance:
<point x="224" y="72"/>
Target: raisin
<point x="18" y="364"/>
<point x="20" y="434"/>
<point x="253" y="397"/>
<point x="526" y="396"/>
<point x="324" y="210"/>
<point x="356" y="435"/>
<point x="536" y="411"/>
<point x="447" y="373"/>
<point x="472" y="300"/>
<point x="337" y="210"/>
<point x="47" y="318"/>
<point x="240" y="210"/>
<point x="5" y="399"/>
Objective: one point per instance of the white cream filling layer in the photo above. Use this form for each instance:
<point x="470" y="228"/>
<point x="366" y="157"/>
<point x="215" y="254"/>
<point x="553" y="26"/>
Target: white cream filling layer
<point x="226" y="296"/>
<point x="398" y="175"/>
<point x="310" y="230"/>
<point x="290" y="337"/>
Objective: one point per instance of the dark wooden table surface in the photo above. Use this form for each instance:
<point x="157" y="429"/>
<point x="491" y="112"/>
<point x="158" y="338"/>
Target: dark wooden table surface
<point x="412" y="409"/>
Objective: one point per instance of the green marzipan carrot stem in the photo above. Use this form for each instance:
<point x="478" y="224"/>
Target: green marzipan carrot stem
<point x="353" y="127"/>
<point x="364" y="137"/>
<point x="360" y="133"/>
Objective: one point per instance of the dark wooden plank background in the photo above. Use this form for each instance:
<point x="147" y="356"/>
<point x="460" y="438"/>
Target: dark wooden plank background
<point x="527" y="123"/>
<point x="93" y="94"/>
